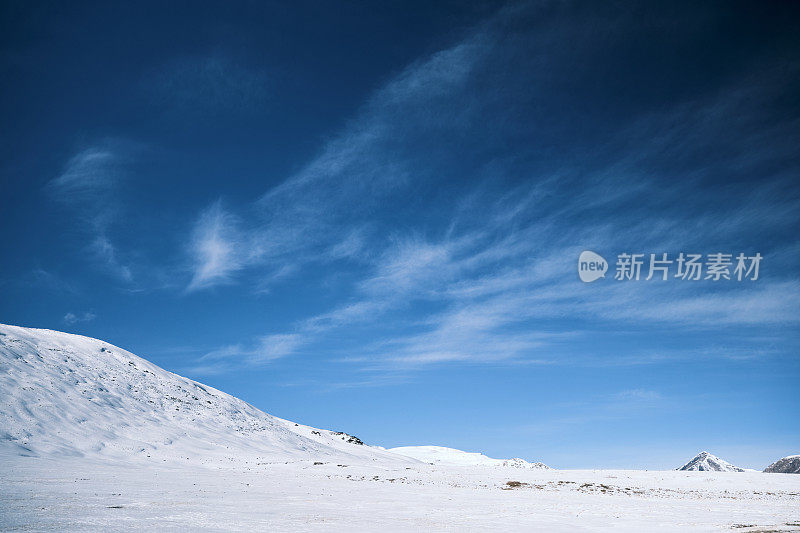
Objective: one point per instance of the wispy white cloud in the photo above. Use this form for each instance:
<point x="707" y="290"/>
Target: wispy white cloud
<point x="216" y="248"/>
<point x="106" y="252"/>
<point x="72" y="318"/>
<point x="766" y="303"/>
<point x="477" y="275"/>
<point x="263" y="350"/>
<point x="46" y="279"/>
<point x="88" y="174"/>
<point x="638" y="395"/>
<point x="87" y="188"/>
<point x="324" y="209"/>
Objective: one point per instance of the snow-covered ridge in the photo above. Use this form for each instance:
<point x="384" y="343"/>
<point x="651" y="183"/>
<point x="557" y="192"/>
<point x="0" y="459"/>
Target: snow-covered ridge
<point x="440" y="455"/>
<point x="69" y="395"/>
<point x="707" y="462"/>
<point x="787" y="465"/>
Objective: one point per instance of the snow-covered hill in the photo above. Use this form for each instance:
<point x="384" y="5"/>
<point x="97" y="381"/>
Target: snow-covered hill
<point x="788" y="465"/>
<point x="68" y="395"/>
<point x="707" y="462"/>
<point x="439" y="455"/>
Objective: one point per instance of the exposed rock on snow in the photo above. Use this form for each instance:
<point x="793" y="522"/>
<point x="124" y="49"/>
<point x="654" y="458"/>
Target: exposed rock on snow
<point x="788" y="465"/>
<point x="452" y="457"/>
<point x="707" y="462"/>
<point x="352" y="439"/>
<point x="68" y="395"/>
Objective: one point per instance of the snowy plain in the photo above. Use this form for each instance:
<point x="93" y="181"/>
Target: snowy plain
<point x="94" y="438"/>
<point x="86" y="495"/>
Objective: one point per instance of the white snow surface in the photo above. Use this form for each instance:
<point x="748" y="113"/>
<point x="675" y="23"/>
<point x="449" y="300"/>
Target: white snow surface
<point x="68" y="395"/>
<point x="440" y="455"/>
<point x="93" y="438"/>
<point x="83" y="494"/>
<point x="706" y="462"/>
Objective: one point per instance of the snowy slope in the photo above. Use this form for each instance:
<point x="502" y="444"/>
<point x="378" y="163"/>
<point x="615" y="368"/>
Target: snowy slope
<point x="788" y="465"/>
<point x="439" y="455"/>
<point x="707" y="462"/>
<point x="68" y="395"/>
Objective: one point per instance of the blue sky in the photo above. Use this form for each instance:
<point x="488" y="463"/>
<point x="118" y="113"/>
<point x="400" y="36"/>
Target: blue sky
<point x="368" y="218"/>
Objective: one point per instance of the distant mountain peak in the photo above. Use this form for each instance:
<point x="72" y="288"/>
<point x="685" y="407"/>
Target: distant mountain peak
<point x="787" y="465"/>
<point x="708" y="462"/>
